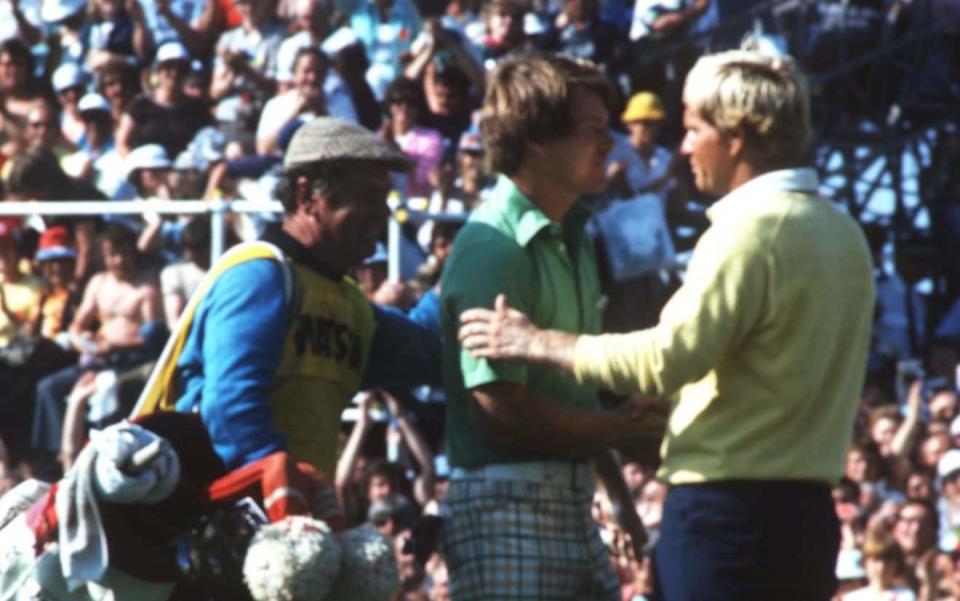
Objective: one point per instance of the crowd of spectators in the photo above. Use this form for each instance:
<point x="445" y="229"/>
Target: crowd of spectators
<point x="183" y="99"/>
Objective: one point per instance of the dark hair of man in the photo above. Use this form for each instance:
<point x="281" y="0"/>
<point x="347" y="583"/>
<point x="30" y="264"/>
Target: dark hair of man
<point x="452" y="77"/>
<point x="196" y="234"/>
<point x="930" y="518"/>
<point x="528" y="101"/>
<point x="20" y="54"/>
<point x="323" y="63"/>
<point x="329" y="179"/>
<point x="37" y="175"/>
<point x="389" y="471"/>
<point x="404" y="90"/>
<point x="117" y="69"/>
<point x="119" y="236"/>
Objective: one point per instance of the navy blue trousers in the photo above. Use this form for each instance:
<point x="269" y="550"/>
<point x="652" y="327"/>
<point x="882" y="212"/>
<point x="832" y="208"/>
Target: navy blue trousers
<point x="746" y="541"/>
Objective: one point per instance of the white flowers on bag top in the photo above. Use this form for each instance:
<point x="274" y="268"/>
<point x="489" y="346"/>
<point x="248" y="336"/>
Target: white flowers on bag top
<point x="295" y="559"/>
<point x="368" y="569"/>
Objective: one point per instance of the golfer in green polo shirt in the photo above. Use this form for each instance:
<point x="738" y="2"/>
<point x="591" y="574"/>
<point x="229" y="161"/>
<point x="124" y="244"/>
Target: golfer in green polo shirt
<point x="523" y="439"/>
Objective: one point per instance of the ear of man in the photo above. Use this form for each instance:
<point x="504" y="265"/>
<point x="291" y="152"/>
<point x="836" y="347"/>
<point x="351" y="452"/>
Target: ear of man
<point x="308" y="201"/>
<point x="737" y="143"/>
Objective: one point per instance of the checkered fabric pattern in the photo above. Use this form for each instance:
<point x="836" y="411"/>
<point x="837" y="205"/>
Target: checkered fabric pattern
<point x="510" y="540"/>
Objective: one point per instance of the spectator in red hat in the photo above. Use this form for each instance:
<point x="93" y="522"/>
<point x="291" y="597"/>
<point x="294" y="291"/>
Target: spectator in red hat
<point x="56" y="260"/>
<point x="36" y="353"/>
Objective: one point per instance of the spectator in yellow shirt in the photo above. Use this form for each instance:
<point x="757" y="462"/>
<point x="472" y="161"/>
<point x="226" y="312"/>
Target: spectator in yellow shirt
<point x="764" y="348"/>
<point x="19" y="292"/>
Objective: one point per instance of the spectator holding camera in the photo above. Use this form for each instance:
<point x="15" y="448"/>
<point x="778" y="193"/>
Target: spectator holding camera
<point x="386" y="28"/>
<point x="578" y="31"/>
<point x="442" y="47"/>
<point x="118" y="30"/>
<point x="246" y="56"/>
<point x="304" y="100"/>
<point x="312" y="26"/>
<point x="403" y="104"/>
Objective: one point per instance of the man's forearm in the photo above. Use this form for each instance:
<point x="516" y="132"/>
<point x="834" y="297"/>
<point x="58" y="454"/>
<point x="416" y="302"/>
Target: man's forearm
<point x="554" y="348"/>
<point x="512" y="418"/>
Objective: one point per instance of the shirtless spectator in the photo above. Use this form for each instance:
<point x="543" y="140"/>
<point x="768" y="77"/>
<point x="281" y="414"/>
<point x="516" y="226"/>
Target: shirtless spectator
<point x="125" y="303"/>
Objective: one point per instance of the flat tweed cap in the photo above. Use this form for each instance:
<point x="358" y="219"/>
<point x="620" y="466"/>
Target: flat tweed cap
<point x="330" y="139"/>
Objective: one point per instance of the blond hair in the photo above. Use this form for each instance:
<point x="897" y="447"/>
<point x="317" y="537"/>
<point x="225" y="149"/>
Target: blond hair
<point x="528" y="100"/>
<point x="762" y="98"/>
<point x="880" y="544"/>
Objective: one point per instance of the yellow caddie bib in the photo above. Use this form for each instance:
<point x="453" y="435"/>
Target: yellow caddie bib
<point x="324" y="356"/>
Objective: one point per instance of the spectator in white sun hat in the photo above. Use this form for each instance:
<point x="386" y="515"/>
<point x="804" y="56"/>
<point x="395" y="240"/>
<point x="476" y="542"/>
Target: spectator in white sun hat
<point x="98" y="160"/>
<point x="147" y="167"/>
<point x="147" y="172"/>
<point x="70" y="83"/>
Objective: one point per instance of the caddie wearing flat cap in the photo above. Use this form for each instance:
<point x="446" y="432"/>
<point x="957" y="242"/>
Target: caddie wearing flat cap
<point x="280" y="339"/>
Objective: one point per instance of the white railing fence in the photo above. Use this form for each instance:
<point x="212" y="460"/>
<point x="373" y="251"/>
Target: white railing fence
<point x="218" y="210"/>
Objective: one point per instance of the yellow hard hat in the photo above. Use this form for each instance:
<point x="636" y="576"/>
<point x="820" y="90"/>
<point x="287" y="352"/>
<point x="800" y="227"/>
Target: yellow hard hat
<point x="643" y="106"/>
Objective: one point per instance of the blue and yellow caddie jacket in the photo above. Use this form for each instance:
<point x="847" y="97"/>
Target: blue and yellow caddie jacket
<point x="273" y="347"/>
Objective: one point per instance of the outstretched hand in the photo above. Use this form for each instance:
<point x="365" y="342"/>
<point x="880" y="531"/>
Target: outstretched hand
<point x="498" y="333"/>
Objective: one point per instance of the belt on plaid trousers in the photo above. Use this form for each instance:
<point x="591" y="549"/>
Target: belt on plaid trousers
<point x="577" y="475"/>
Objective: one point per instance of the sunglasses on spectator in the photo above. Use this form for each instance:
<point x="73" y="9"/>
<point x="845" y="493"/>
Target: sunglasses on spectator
<point x="91" y="116"/>
<point x="41" y="124"/>
<point x="180" y="66"/>
<point x="71" y="90"/>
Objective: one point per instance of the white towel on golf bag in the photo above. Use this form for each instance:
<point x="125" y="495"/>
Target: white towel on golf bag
<point x="104" y="470"/>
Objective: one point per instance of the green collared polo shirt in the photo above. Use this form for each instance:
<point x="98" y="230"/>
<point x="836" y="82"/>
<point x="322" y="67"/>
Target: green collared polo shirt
<point x="547" y="270"/>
